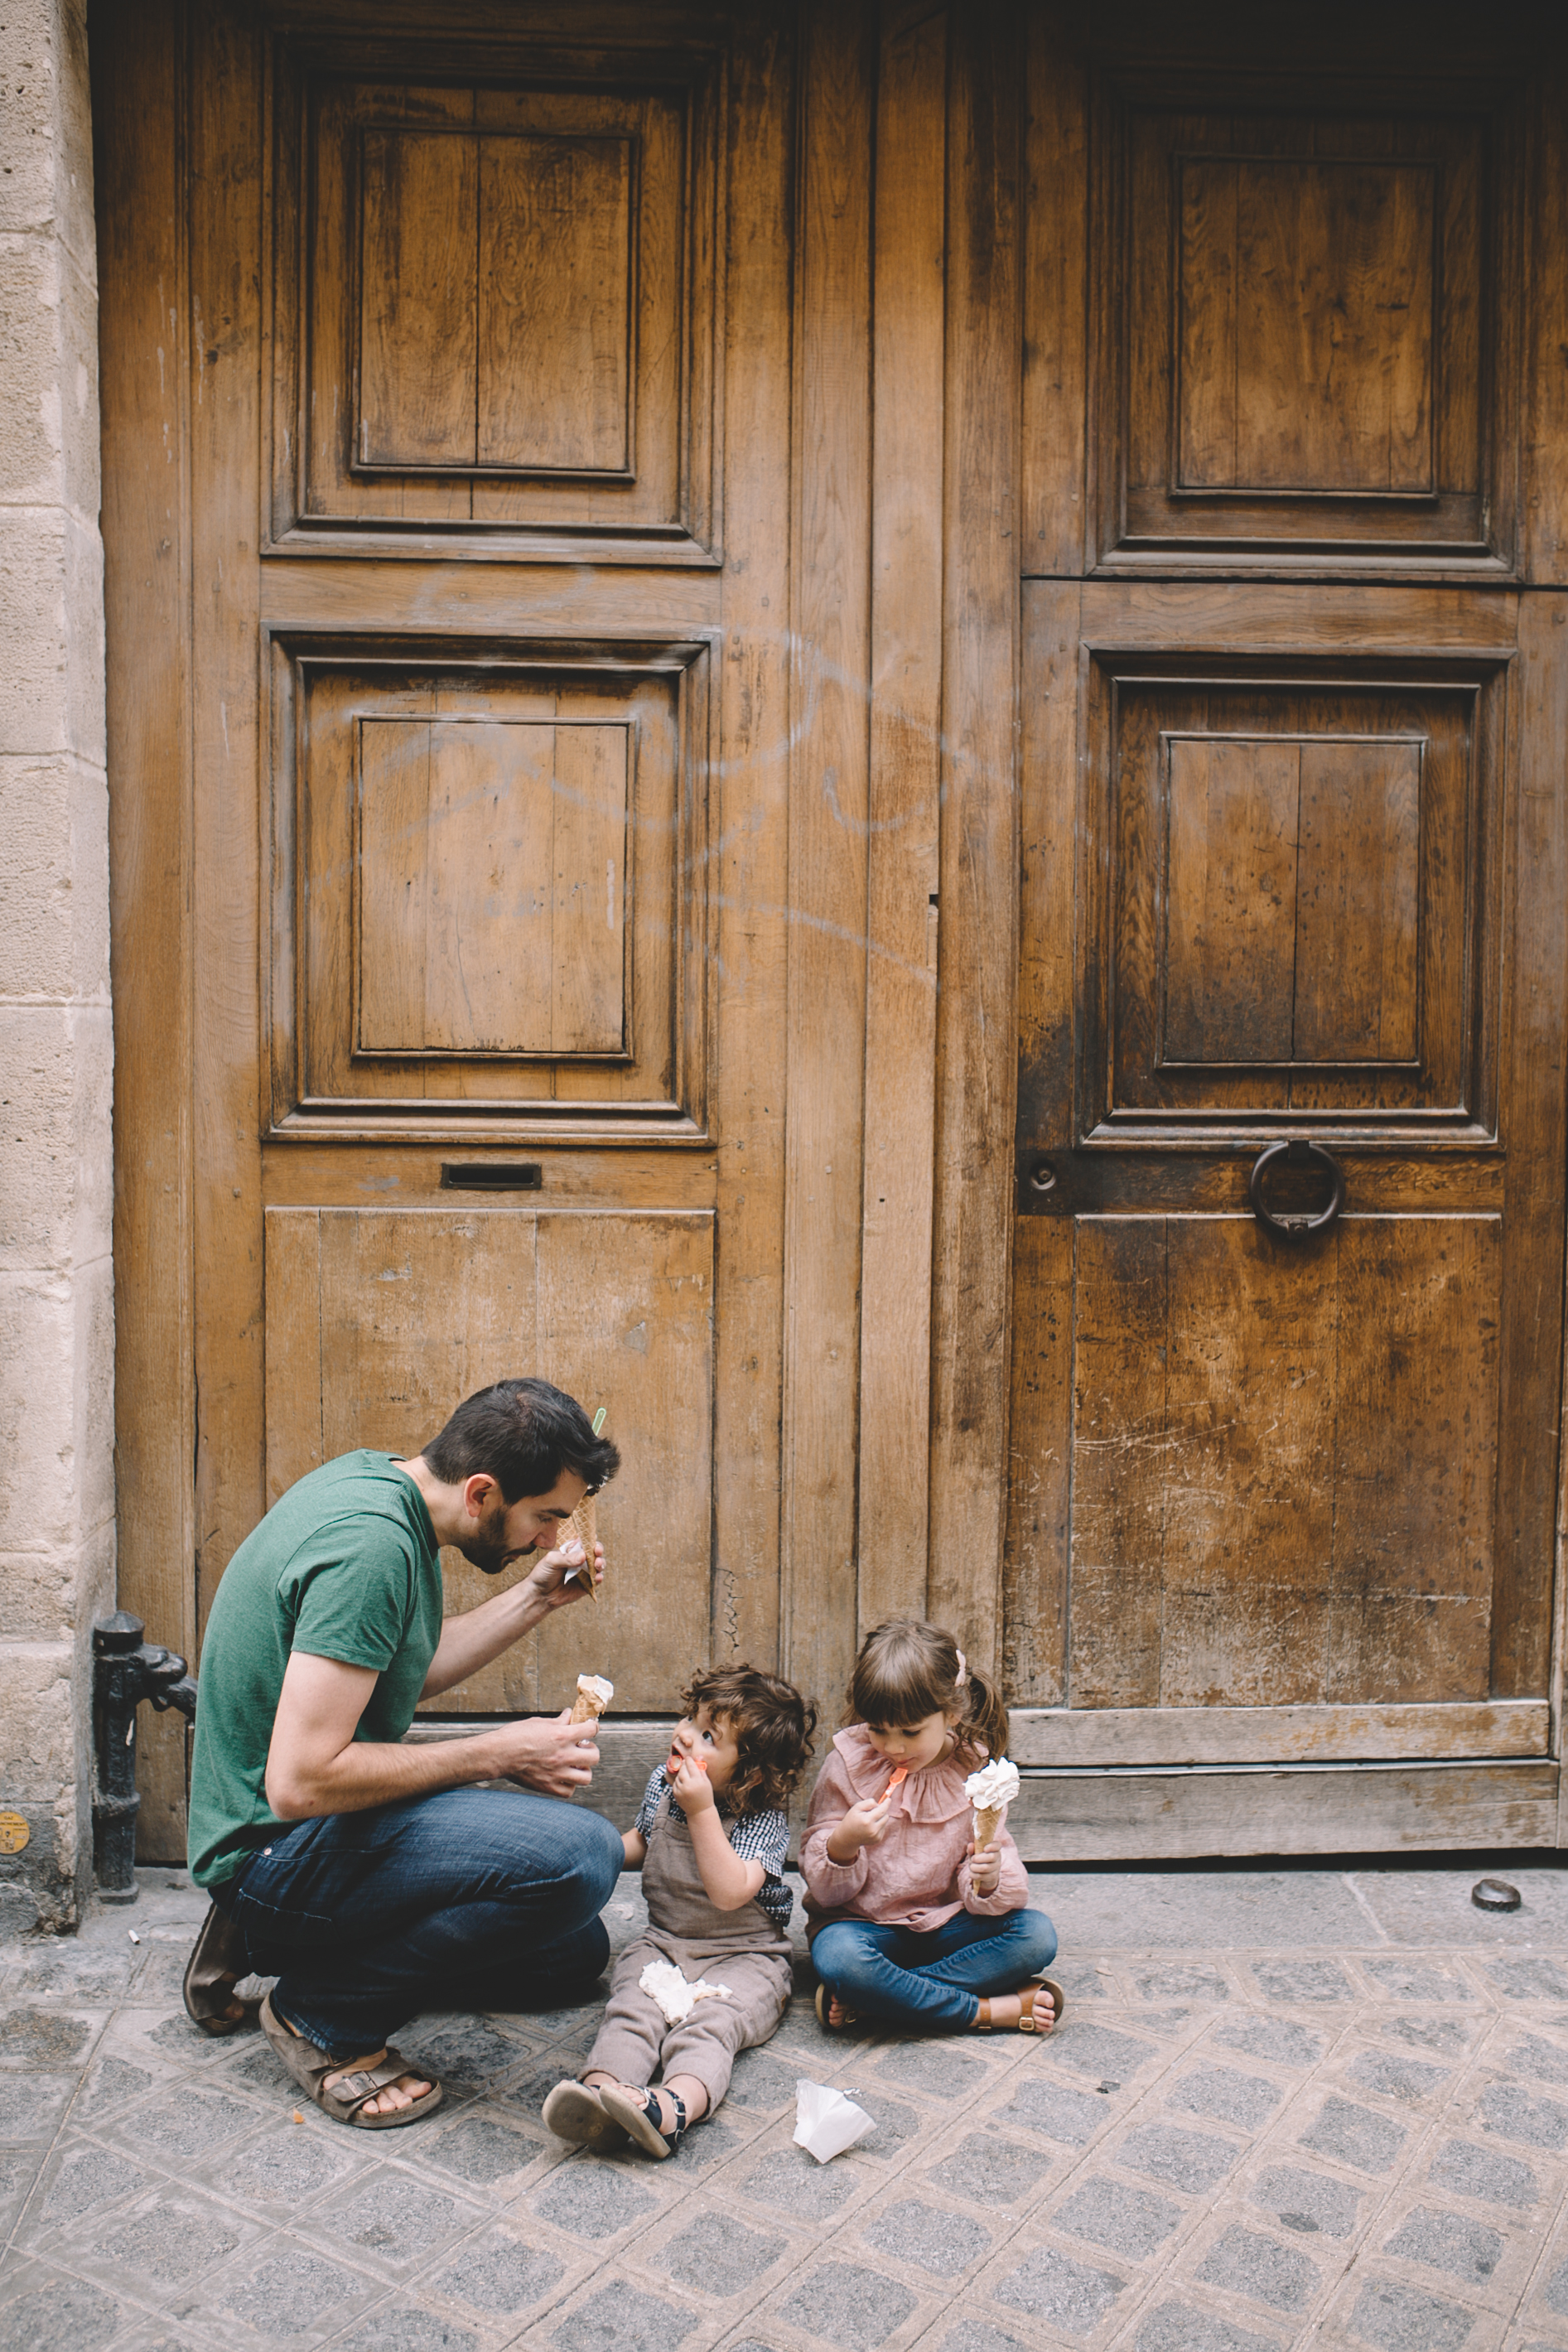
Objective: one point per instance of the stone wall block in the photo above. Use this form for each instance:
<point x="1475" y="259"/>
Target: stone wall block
<point x="82" y="447"/>
<point x="39" y="1493"/>
<point x="90" y="884"/>
<point x="34" y="704"/>
<point x="32" y="456"/>
<point x="29" y="76"/>
<point x="85" y="717"/>
<point x="93" y="1286"/>
<point x="38" y="905"/>
<point x="91" y="1033"/>
<point x="49" y="1596"/>
<point x="39" y="1136"/>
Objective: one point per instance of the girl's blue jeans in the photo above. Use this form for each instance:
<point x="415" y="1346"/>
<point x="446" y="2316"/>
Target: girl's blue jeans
<point x="932" y="1979"/>
<point x="471" y="1898"/>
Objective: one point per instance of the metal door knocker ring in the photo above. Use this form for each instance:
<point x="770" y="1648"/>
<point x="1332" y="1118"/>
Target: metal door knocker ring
<point x="1296" y="1152"/>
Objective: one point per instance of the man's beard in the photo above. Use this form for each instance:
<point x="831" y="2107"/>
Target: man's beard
<point x="489" y="1552"/>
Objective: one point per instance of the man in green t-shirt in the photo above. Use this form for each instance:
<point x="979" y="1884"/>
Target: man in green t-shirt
<point x="373" y="1879"/>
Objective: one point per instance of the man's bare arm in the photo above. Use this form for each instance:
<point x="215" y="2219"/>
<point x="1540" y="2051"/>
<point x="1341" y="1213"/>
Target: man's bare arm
<point x="315" y="1765"/>
<point x="469" y="1642"/>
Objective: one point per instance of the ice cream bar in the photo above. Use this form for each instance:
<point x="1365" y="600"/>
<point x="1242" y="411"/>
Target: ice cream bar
<point x="990" y="1790"/>
<point x="593" y="1696"/>
<point x="582" y="1527"/>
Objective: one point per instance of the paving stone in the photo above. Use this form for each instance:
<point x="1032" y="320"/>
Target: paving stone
<point x="170" y="2244"/>
<point x="1394" y="2077"/>
<point x="289" y="2293"/>
<point x="1445" y="2033"/>
<point x="1448" y="2242"/>
<point x="1054" y="2108"/>
<point x="42" y="2036"/>
<point x="260" y="2069"/>
<point x="845" y="2305"/>
<point x="81" y="1973"/>
<point x="498" y="2273"/>
<point x="1051" y="2285"/>
<point x="1354" y="2136"/>
<point x="1128" y="2222"/>
<point x="1540" y="2062"/>
<point x="1248" y="2264"/>
<point x="761" y="2084"/>
<point x="112" y="2082"/>
<point x="479" y="2149"/>
<point x="1228" y="2097"/>
<point x="399" y="2328"/>
<point x="1307" y="2202"/>
<point x="1398" y="2318"/>
<point x="984" y="2165"/>
<point x="936" y="2068"/>
<point x="1512" y="2113"/>
<point x="797" y="2183"/>
<point x="1299" y="1980"/>
<point x="1179" y="2327"/>
<point x="1277" y="2038"/>
<point x="1098" y="2050"/>
<point x="591" y="2198"/>
<point x="1557" y="2291"/>
<point x="190" y="2122"/>
<point x="716" y="2144"/>
<point x="928" y="2236"/>
<point x="973" y="2335"/>
<point x="1472" y="2171"/>
<point x="719" y="2256"/>
<point x="1530" y="1979"/>
<point x="1166" y="2020"/>
<point x="1416" y="1980"/>
<point x="88" y="2177"/>
<point x="288" y="2166"/>
<point x="464" y="2053"/>
<point x="65" y="2316"/>
<point x="1175" y="1983"/>
<point x="1196" y="2161"/>
<point x="896" y="2123"/>
<point x="394" y="2217"/>
<point x="31" y="2105"/>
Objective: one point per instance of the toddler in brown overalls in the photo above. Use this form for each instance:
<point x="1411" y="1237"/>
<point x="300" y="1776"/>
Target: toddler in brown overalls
<point x="711" y="1839"/>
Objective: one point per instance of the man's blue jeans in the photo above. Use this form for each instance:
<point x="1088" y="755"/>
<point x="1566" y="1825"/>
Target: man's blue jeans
<point x="931" y="1980"/>
<point x="471" y="1898"/>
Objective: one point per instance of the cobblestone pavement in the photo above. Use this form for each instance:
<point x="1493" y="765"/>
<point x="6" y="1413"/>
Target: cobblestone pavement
<point x="1284" y="2109"/>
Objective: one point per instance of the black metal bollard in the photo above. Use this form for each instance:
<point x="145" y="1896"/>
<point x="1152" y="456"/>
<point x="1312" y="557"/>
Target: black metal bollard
<point x="125" y="1671"/>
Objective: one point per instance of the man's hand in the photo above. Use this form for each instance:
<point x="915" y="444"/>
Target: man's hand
<point x="690" y="1787"/>
<point x="985" y="1871"/>
<point x="865" y="1824"/>
<point x="549" y="1578"/>
<point x="553" y="1757"/>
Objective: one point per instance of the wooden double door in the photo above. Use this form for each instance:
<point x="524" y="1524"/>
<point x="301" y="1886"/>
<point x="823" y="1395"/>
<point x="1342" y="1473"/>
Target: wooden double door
<point x="782" y="682"/>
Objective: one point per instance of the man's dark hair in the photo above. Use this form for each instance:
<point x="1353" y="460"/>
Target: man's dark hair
<point x="524" y="1434"/>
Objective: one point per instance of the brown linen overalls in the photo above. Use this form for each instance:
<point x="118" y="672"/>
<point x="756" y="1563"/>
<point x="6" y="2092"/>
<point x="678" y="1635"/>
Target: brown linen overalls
<point x="741" y="1949"/>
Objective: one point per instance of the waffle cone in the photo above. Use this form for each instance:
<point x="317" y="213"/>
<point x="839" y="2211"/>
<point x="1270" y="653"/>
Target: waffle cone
<point x="589" y="1704"/>
<point x="988" y="1821"/>
<point x="582" y="1527"/>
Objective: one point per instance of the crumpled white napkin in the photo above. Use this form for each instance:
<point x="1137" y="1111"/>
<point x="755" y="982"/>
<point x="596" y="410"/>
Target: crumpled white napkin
<point x="826" y="2123"/>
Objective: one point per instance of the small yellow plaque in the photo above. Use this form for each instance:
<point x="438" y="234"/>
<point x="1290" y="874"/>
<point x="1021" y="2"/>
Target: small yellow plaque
<point x="13" y="1832"/>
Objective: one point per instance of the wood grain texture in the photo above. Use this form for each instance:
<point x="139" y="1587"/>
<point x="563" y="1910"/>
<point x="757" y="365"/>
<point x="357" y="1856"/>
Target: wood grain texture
<point x="831" y="629"/>
<point x="380" y="1320"/>
<point x="903" y="815"/>
<point x="1123" y="1736"/>
<point x="1230" y="954"/>
<point x="139" y="99"/>
<point x="1054" y="391"/>
<point x="418" y="337"/>
<point x="1543" y="507"/>
<point x="977" y="960"/>
<point x="1356" y="960"/>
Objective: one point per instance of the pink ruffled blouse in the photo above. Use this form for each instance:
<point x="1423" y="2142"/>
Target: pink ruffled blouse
<point x="919" y="1877"/>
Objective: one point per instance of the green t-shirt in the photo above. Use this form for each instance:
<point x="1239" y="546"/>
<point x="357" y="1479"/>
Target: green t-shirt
<point x="344" y="1565"/>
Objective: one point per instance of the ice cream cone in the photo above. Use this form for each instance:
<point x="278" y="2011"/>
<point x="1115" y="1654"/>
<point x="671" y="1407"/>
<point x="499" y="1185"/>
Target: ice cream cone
<point x="593" y="1696"/>
<point x="988" y="1821"/>
<point x="582" y="1527"/>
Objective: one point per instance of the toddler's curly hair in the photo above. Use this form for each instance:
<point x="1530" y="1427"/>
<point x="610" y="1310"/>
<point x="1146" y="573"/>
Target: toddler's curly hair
<point x="771" y="1724"/>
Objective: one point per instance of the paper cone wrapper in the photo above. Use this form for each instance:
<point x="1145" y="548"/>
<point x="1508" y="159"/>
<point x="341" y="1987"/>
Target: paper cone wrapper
<point x="989" y="1820"/>
<point x="582" y="1527"/>
<point x="589" y="1704"/>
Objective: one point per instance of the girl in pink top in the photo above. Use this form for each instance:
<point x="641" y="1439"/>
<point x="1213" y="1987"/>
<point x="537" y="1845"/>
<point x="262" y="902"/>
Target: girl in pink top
<point x="908" y="1924"/>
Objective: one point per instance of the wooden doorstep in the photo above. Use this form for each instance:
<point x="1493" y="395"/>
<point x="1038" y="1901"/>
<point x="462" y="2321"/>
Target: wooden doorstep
<point x="1129" y="1813"/>
<point x="1482" y="1730"/>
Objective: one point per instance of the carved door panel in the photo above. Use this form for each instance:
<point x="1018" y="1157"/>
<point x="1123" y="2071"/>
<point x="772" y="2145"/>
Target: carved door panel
<point x="1280" y="1496"/>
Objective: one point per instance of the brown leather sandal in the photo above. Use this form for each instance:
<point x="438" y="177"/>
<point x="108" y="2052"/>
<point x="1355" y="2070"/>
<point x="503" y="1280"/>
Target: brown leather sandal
<point x="217" y="1963"/>
<point x="310" y="2067"/>
<point x="1026" y="2022"/>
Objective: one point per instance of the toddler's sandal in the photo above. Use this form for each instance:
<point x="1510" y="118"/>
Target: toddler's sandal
<point x="824" y="2020"/>
<point x="575" y="2112"/>
<point x="637" y="2113"/>
<point x="1029" y="1997"/>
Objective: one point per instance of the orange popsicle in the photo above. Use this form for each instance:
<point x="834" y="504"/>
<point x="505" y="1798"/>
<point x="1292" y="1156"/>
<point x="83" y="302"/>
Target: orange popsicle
<point x="897" y="1780"/>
